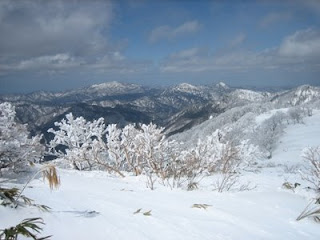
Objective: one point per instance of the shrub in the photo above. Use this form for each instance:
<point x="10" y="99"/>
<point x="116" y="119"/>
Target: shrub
<point x="17" y="149"/>
<point x="29" y="227"/>
<point x="296" y="114"/>
<point x="268" y="133"/>
<point x="311" y="210"/>
<point x="312" y="175"/>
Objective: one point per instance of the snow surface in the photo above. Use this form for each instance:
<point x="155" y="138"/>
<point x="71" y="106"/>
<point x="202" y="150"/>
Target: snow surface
<point x="266" y="212"/>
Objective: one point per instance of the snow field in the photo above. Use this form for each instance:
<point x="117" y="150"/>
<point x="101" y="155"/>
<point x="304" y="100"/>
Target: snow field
<point x="266" y="212"/>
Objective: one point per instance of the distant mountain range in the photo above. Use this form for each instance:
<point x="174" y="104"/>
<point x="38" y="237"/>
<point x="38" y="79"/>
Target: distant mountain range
<point x="176" y="108"/>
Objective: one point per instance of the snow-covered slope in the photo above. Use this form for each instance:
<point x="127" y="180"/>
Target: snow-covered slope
<point x="248" y="95"/>
<point x="266" y="212"/>
<point x="301" y="95"/>
<point x="296" y="138"/>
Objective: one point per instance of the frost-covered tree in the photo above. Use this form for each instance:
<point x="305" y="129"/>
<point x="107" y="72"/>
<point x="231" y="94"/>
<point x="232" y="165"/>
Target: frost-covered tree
<point x="114" y="148"/>
<point x="138" y="150"/>
<point x="312" y="175"/>
<point x="296" y="114"/>
<point x="145" y="150"/>
<point x="17" y="149"/>
<point x="81" y="139"/>
<point x="268" y="133"/>
<point x="241" y="129"/>
<point x="129" y="148"/>
<point x="216" y="156"/>
<point x="149" y="144"/>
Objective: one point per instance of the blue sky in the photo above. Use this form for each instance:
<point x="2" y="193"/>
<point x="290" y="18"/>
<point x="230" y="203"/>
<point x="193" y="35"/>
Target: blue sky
<point x="59" y="45"/>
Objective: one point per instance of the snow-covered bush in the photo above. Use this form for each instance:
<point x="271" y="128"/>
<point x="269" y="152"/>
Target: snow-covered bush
<point x="219" y="157"/>
<point x="114" y="148"/>
<point x="308" y="111"/>
<point x="232" y="159"/>
<point x="145" y="150"/>
<point x="296" y="114"/>
<point x="139" y="150"/>
<point x="17" y="149"/>
<point x="268" y="132"/>
<point x="128" y="148"/>
<point x="312" y="175"/>
<point x="81" y="139"/>
<point x="241" y="129"/>
<point x="148" y="147"/>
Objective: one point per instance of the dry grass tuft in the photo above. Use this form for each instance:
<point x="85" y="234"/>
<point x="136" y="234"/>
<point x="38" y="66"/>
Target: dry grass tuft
<point x="148" y="213"/>
<point x="201" y="206"/>
<point x="49" y="172"/>
<point x="138" y="211"/>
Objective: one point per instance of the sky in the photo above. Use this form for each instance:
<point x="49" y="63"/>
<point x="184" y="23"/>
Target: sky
<point x="64" y="44"/>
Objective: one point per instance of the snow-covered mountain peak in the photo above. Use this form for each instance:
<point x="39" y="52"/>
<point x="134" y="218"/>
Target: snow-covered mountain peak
<point x="222" y="85"/>
<point x="114" y="88"/>
<point x="305" y="94"/>
<point x="307" y="90"/>
<point x="113" y="85"/>
<point x="249" y="95"/>
<point x="301" y="95"/>
<point x="186" y="87"/>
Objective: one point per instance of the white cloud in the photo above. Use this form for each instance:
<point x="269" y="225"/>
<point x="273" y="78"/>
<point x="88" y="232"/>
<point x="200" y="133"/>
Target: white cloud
<point x="34" y="28"/>
<point x="168" y="33"/>
<point x="298" y="52"/>
<point x="188" y="53"/>
<point x="275" y="17"/>
<point x="59" y="63"/>
<point x="304" y="43"/>
<point x="58" y="36"/>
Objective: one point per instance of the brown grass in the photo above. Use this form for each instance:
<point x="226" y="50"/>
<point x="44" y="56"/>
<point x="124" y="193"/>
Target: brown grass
<point x="49" y="172"/>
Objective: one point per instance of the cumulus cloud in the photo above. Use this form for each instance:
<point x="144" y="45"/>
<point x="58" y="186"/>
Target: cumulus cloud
<point x="35" y="28"/>
<point x="166" y="32"/>
<point x="60" y="63"/>
<point x="303" y="43"/>
<point x="59" y="35"/>
<point x="50" y="62"/>
<point x="235" y="61"/>
<point x="298" y="52"/>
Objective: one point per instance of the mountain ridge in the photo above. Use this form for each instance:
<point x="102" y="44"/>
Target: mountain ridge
<point x="176" y="108"/>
